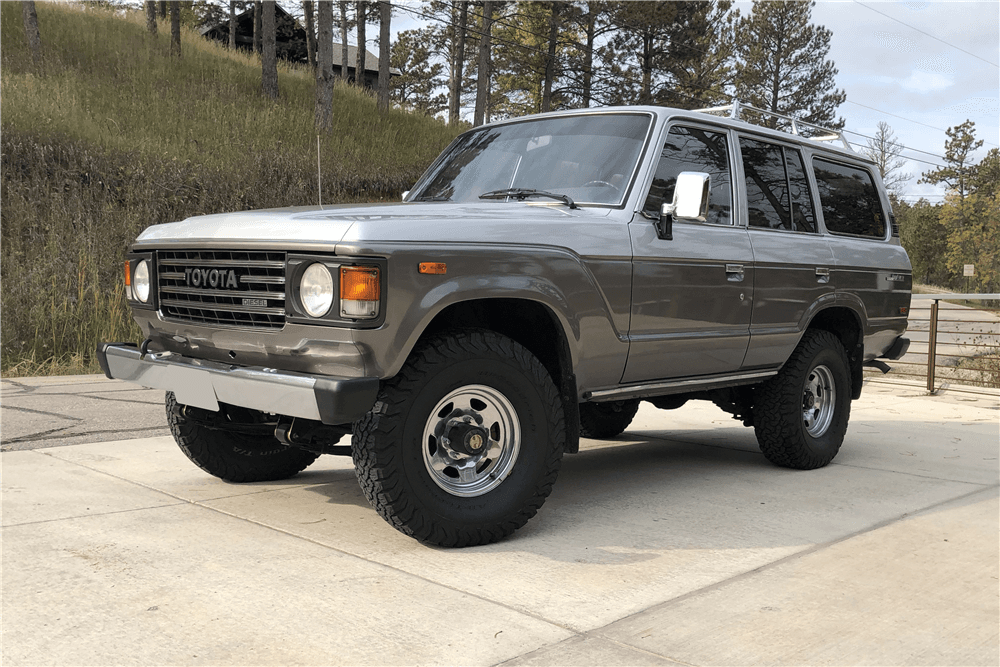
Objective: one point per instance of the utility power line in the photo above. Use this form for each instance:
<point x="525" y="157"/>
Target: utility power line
<point x="893" y="18"/>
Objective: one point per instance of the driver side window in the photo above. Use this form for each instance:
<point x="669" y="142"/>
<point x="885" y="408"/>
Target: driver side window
<point x="694" y="149"/>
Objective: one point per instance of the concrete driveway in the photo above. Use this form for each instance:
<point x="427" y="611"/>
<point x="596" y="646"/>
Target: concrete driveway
<point x="676" y="543"/>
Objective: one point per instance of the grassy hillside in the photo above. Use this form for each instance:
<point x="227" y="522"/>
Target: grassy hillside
<point x="111" y="135"/>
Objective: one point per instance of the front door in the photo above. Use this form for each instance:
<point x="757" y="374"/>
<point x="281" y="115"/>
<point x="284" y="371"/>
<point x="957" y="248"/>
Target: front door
<point x="691" y="296"/>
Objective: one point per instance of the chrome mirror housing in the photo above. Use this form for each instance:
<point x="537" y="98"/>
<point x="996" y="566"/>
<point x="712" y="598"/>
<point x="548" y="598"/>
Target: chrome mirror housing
<point x="691" y="197"/>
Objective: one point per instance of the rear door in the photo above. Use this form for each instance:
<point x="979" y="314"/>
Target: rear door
<point x="793" y="261"/>
<point x="691" y="295"/>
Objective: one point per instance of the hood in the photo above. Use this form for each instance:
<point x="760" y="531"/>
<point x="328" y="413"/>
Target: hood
<point x="419" y="221"/>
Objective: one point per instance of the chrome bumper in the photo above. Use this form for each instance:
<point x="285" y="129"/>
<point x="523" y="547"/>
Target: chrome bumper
<point x="205" y="384"/>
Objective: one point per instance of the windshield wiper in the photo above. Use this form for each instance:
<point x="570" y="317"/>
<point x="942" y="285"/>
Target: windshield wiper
<point x="432" y="198"/>
<point x="521" y="194"/>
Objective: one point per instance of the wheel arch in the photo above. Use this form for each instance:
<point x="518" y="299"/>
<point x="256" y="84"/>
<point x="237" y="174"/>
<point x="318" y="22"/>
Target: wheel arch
<point x="846" y="324"/>
<point x="531" y="324"/>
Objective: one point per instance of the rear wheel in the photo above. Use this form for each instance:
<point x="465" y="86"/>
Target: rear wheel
<point x="463" y="446"/>
<point x="606" y="420"/>
<point x="800" y="416"/>
<point x="245" y="452"/>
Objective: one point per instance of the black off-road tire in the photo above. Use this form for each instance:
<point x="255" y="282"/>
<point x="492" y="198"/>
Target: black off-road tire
<point x="606" y="420"/>
<point x="779" y="404"/>
<point x="235" y="457"/>
<point x="389" y="448"/>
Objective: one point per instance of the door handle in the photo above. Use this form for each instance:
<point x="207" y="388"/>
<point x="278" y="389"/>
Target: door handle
<point x="822" y="274"/>
<point x="734" y="273"/>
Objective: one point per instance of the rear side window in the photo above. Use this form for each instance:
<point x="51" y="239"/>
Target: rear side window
<point x="849" y="199"/>
<point x="694" y="149"/>
<point x="778" y="195"/>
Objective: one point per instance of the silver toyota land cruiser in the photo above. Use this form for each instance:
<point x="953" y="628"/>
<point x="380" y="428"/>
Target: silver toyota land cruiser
<point x="544" y="276"/>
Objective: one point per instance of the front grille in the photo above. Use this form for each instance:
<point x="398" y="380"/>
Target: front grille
<point x="227" y="287"/>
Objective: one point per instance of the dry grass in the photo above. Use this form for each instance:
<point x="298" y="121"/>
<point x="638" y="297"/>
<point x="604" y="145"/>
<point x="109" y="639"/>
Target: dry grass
<point x="112" y="135"/>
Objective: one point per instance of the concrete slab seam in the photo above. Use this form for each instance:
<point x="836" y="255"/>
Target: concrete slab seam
<point x="95" y="514"/>
<point x="596" y="632"/>
<point x="913" y="474"/>
<point x="637" y="649"/>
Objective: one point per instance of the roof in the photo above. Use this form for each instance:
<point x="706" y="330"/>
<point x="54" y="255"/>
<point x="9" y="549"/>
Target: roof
<point x="700" y="116"/>
<point x="371" y="60"/>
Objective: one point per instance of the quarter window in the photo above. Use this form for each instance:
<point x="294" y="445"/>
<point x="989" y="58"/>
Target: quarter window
<point x="778" y="195"/>
<point x="849" y="199"/>
<point x="694" y="149"/>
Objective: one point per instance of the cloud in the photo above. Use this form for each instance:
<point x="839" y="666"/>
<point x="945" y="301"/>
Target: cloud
<point x="895" y="41"/>
<point x="926" y="82"/>
<point x="939" y="64"/>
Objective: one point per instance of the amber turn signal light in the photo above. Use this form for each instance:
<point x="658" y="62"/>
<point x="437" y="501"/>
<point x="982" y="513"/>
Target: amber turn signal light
<point x="436" y="268"/>
<point x="128" y="273"/>
<point x="360" y="283"/>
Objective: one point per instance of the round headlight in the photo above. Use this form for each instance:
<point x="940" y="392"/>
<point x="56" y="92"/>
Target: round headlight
<point x="140" y="281"/>
<point x="316" y="290"/>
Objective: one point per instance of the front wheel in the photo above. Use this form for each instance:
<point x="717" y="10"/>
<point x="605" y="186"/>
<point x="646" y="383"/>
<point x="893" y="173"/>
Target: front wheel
<point x="463" y="446"/>
<point x="800" y="415"/>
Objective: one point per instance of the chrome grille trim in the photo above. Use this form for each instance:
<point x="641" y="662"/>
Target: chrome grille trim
<point x="246" y="294"/>
<point x="260" y="275"/>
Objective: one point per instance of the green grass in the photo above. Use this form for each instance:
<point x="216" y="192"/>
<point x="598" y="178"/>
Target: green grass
<point x="111" y="135"/>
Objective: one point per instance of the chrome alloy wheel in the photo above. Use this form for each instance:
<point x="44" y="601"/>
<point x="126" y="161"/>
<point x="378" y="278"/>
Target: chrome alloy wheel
<point x="819" y="398"/>
<point x="471" y="440"/>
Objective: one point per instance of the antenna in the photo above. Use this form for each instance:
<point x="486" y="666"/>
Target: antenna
<point x="319" y="173"/>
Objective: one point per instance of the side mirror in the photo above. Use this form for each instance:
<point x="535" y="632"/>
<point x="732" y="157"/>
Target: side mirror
<point x="691" y="196"/>
<point x="405" y="195"/>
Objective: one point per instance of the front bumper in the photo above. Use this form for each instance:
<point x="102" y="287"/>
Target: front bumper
<point x="205" y="384"/>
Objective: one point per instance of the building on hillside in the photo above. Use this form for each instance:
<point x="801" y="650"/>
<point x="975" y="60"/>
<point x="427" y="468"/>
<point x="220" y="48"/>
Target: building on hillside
<point x="291" y="44"/>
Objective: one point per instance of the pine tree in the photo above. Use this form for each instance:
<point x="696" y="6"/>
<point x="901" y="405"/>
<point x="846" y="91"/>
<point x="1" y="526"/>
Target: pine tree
<point x="484" y="66"/>
<point x="960" y="170"/>
<point x="151" y="17"/>
<point x="175" y="29"/>
<point x="232" y="25"/>
<point x="324" y="65"/>
<point x="419" y="77"/>
<point x="361" y="8"/>
<point x="307" y="10"/>
<point x="700" y="60"/>
<point x="385" y="16"/>
<point x="784" y="67"/>
<point x="269" y="50"/>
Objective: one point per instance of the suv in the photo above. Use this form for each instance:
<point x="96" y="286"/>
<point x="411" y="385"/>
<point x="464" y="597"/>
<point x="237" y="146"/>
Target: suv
<point x="544" y="276"/>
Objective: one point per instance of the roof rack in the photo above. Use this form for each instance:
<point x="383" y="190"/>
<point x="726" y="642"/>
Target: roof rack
<point x="736" y="108"/>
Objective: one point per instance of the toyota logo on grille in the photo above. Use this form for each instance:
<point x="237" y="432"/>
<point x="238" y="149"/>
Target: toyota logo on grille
<point x="220" y="278"/>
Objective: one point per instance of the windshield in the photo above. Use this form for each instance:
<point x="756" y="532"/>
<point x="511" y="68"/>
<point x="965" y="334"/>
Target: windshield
<point x="590" y="158"/>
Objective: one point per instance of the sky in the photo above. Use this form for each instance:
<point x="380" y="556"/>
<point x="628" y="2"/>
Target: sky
<point x="924" y="66"/>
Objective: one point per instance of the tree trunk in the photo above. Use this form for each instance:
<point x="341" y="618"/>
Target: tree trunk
<point x="324" y="65"/>
<point x="163" y="9"/>
<point x="646" y="94"/>
<point x="384" y="19"/>
<point x="359" y="62"/>
<point x="269" y="50"/>
<point x="151" y="17"/>
<point x="175" y="29"/>
<point x="31" y="31"/>
<point x="550" y="58"/>
<point x="257" y="12"/>
<point x="483" y="83"/>
<point x="344" y="50"/>
<point x="307" y="8"/>
<point x="232" y="25"/>
<point x="458" y="64"/>
<point x="588" y="57"/>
